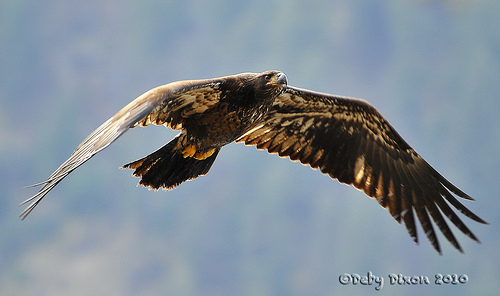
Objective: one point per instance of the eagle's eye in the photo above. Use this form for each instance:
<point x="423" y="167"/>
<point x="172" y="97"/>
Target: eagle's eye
<point x="267" y="77"/>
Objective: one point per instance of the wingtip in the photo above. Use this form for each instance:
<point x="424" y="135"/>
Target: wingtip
<point x="437" y="247"/>
<point x="36" y="184"/>
<point x="481" y="221"/>
<point x="26" y="212"/>
<point x="29" y="208"/>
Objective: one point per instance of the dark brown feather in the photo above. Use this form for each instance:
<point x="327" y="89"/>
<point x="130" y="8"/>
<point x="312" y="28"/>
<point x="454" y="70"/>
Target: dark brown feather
<point x="167" y="167"/>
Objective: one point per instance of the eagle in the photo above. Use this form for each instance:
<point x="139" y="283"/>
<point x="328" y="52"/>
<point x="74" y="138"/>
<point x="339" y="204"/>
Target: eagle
<point x="344" y="137"/>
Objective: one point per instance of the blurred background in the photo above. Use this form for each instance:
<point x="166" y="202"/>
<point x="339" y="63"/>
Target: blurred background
<point x="256" y="224"/>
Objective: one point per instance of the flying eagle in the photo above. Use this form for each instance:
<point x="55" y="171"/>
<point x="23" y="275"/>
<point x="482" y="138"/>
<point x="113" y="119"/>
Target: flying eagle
<point x="345" y="138"/>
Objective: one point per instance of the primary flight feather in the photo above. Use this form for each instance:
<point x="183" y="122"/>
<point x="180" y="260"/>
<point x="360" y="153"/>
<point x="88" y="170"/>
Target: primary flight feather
<point x="345" y="138"/>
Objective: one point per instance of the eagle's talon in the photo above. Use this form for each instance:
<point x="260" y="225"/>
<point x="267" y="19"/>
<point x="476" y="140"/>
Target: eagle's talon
<point x="189" y="151"/>
<point x="204" y="155"/>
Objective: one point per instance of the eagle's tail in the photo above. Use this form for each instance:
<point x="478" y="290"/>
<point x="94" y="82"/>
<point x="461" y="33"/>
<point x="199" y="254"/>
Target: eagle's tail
<point x="167" y="167"/>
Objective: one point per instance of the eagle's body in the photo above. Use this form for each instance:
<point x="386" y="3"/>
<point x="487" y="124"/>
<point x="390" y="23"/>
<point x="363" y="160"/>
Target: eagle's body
<point x="343" y="137"/>
<point x="233" y="105"/>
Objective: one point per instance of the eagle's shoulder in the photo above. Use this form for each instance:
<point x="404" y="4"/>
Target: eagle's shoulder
<point x="177" y="100"/>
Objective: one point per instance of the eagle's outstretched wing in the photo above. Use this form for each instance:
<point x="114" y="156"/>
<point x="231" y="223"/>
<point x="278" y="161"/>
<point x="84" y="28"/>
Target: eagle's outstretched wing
<point x="168" y="104"/>
<point x="349" y="140"/>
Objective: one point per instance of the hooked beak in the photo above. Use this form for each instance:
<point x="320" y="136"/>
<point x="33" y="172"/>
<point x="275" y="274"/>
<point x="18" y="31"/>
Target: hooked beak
<point x="278" y="79"/>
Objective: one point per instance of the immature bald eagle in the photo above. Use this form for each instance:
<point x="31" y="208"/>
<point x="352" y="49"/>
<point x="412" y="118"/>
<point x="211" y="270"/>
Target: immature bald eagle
<point x="343" y="137"/>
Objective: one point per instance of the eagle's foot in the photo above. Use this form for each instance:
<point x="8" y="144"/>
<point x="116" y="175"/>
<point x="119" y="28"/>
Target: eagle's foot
<point x="190" y="151"/>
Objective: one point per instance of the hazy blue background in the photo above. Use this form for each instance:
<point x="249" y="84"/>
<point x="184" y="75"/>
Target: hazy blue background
<point x="256" y="224"/>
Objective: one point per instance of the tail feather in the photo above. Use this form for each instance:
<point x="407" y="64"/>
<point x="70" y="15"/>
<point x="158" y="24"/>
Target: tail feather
<point x="167" y="167"/>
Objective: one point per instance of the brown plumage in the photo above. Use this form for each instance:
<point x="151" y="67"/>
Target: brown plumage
<point x="345" y="138"/>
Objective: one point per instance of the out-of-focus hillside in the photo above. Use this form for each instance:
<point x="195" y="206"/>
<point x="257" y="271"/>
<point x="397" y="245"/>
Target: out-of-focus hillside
<point x="256" y="224"/>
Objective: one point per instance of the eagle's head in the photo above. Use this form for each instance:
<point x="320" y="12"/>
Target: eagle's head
<point x="270" y="83"/>
<point x="254" y="89"/>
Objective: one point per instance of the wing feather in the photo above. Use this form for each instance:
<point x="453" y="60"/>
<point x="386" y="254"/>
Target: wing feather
<point x="164" y="105"/>
<point x="349" y="140"/>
